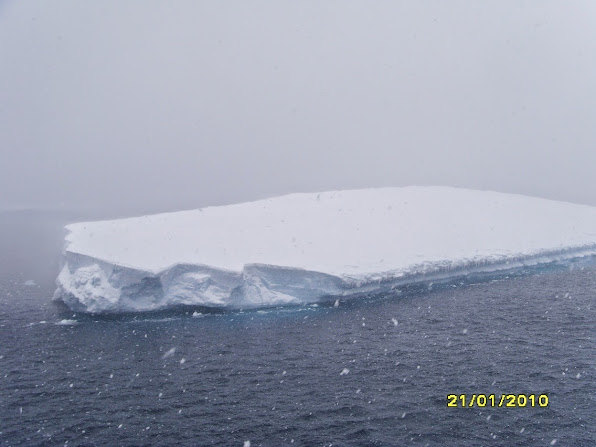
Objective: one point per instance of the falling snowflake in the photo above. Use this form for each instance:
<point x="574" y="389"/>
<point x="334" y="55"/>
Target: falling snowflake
<point x="170" y="353"/>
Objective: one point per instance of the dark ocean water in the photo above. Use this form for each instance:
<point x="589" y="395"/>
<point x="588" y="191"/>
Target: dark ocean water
<point x="274" y="377"/>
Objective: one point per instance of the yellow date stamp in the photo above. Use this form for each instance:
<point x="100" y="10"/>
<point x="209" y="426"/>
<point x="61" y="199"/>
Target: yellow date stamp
<point x="497" y="400"/>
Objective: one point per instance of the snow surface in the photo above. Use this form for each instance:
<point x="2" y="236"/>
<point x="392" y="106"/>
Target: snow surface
<point x="302" y="248"/>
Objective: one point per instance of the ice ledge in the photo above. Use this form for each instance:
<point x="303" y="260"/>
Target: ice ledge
<point x="89" y="284"/>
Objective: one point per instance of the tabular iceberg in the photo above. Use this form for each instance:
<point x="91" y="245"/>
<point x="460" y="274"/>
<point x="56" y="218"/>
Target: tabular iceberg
<point x="304" y="248"/>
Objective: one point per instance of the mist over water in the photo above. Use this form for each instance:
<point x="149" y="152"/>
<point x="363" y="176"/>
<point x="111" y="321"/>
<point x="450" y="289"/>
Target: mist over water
<point x="141" y="107"/>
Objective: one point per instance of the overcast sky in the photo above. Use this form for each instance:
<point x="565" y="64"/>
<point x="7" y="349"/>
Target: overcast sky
<point x="143" y="106"/>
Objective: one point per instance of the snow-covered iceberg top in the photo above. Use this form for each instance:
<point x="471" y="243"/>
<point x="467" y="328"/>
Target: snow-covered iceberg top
<point x="303" y="248"/>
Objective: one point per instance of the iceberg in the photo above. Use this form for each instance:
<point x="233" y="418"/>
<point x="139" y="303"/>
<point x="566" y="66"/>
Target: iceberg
<point x="307" y="248"/>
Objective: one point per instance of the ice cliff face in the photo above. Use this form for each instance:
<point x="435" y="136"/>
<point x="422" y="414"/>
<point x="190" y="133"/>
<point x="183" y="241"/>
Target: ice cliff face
<point x="304" y="248"/>
<point x="90" y="285"/>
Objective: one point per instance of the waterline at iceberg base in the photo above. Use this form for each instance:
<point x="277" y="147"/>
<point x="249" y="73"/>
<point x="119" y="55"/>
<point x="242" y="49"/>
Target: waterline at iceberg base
<point x="305" y="248"/>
